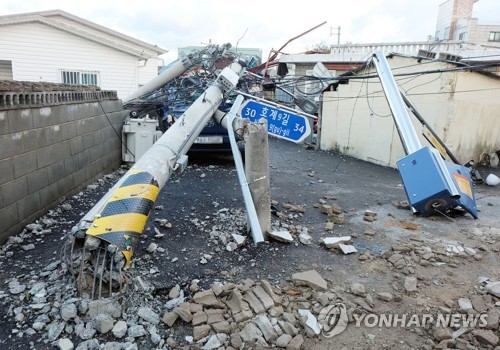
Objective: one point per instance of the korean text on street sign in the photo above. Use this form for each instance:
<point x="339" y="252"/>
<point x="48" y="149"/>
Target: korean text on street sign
<point x="280" y="123"/>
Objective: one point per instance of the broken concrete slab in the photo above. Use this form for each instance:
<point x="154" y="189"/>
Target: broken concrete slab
<point x="253" y="302"/>
<point x="207" y="298"/>
<point x="263" y="297"/>
<point x="347" y="248"/>
<point x="169" y="318"/>
<point x="296" y="343"/>
<point x="281" y="236"/>
<point x="410" y="284"/>
<point x="239" y="239"/>
<point x="486" y="337"/>
<point x="250" y="332"/>
<point x="331" y="242"/>
<point x="465" y="304"/>
<point x="358" y="289"/>
<point x="493" y="288"/>
<point x="200" y="332"/>
<point x="199" y="318"/>
<point x="309" y="322"/>
<point x="269" y="290"/>
<point x="235" y="302"/>
<point x="214" y="315"/>
<point x="310" y="278"/>
<point x="385" y="296"/>
<point x="265" y="327"/>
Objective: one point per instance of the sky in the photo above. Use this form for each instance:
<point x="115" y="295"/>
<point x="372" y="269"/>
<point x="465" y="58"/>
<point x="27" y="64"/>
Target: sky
<point x="258" y="24"/>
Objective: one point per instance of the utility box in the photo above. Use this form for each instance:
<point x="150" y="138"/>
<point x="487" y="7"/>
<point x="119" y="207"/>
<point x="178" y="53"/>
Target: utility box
<point x="138" y="135"/>
<point x="433" y="184"/>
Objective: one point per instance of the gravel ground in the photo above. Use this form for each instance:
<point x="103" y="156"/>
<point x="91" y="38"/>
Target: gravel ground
<point x="404" y="264"/>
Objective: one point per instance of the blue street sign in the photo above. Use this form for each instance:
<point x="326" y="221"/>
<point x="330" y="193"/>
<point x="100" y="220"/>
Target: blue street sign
<point x="280" y="123"/>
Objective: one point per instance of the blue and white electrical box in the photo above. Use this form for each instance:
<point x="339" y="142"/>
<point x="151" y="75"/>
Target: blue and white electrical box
<point x="434" y="185"/>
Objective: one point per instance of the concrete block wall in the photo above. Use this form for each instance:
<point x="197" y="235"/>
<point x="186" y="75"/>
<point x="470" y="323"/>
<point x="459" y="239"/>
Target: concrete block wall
<point x="51" y="148"/>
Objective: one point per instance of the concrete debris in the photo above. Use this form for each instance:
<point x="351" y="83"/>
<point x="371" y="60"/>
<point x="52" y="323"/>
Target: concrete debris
<point x="305" y="238"/>
<point x="265" y="326"/>
<point x="310" y="278"/>
<point x="175" y="292"/>
<point x="148" y="315"/>
<point x="136" y="331"/>
<point x="104" y="306"/>
<point x="254" y="304"/>
<point x="296" y="342"/>
<point x="263" y="297"/>
<point x="486" y="337"/>
<point x="103" y="323"/>
<point x="65" y="344"/>
<point x="385" y="296"/>
<point x="309" y="322"/>
<point x="281" y="236"/>
<point x="239" y="239"/>
<point x="410" y="284"/>
<point x="294" y="208"/>
<point x="152" y="248"/>
<point x="465" y="304"/>
<point x="283" y="340"/>
<point x="347" y="248"/>
<point x="212" y="343"/>
<point x="249" y="314"/>
<point x="493" y="288"/>
<point x="333" y="242"/>
<point x="207" y="298"/>
<point x="120" y="329"/>
<point x="358" y="289"/>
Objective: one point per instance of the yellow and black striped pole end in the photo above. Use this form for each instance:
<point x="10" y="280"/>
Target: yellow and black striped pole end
<point x="123" y="217"/>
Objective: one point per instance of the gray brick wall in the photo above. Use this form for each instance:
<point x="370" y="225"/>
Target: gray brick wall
<point x="51" y="152"/>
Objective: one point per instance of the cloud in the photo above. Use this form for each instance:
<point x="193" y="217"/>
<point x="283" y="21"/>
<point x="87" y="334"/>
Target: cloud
<point x="262" y="24"/>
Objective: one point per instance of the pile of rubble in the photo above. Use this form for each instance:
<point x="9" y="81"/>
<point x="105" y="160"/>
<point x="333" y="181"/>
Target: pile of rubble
<point x="230" y="315"/>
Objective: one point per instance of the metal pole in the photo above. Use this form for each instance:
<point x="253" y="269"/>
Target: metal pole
<point x="407" y="133"/>
<point x="247" y="196"/>
<point x="421" y="119"/>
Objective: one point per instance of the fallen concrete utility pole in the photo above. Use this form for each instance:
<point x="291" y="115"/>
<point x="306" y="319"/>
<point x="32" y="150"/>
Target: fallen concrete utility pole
<point x="102" y="245"/>
<point x="177" y="69"/>
<point x="432" y="185"/>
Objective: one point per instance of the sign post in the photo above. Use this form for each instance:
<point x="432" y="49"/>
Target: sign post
<point x="280" y="123"/>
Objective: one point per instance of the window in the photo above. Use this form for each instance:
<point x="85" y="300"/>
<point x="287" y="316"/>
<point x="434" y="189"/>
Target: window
<point x="79" y="77"/>
<point x="461" y="36"/>
<point x="494" y="36"/>
<point x="6" y="70"/>
<point x="437" y="35"/>
<point x="446" y="33"/>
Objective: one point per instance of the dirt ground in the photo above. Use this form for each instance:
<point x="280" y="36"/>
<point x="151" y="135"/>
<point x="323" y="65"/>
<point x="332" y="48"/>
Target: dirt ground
<point x="404" y="264"/>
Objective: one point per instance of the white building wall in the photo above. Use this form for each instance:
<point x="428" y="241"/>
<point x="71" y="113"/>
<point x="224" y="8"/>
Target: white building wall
<point x="356" y="119"/>
<point x="147" y="70"/>
<point x="480" y="33"/>
<point x="107" y="34"/>
<point x="474" y="127"/>
<point x="38" y="52"/>
<point x="444" y="18"/>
